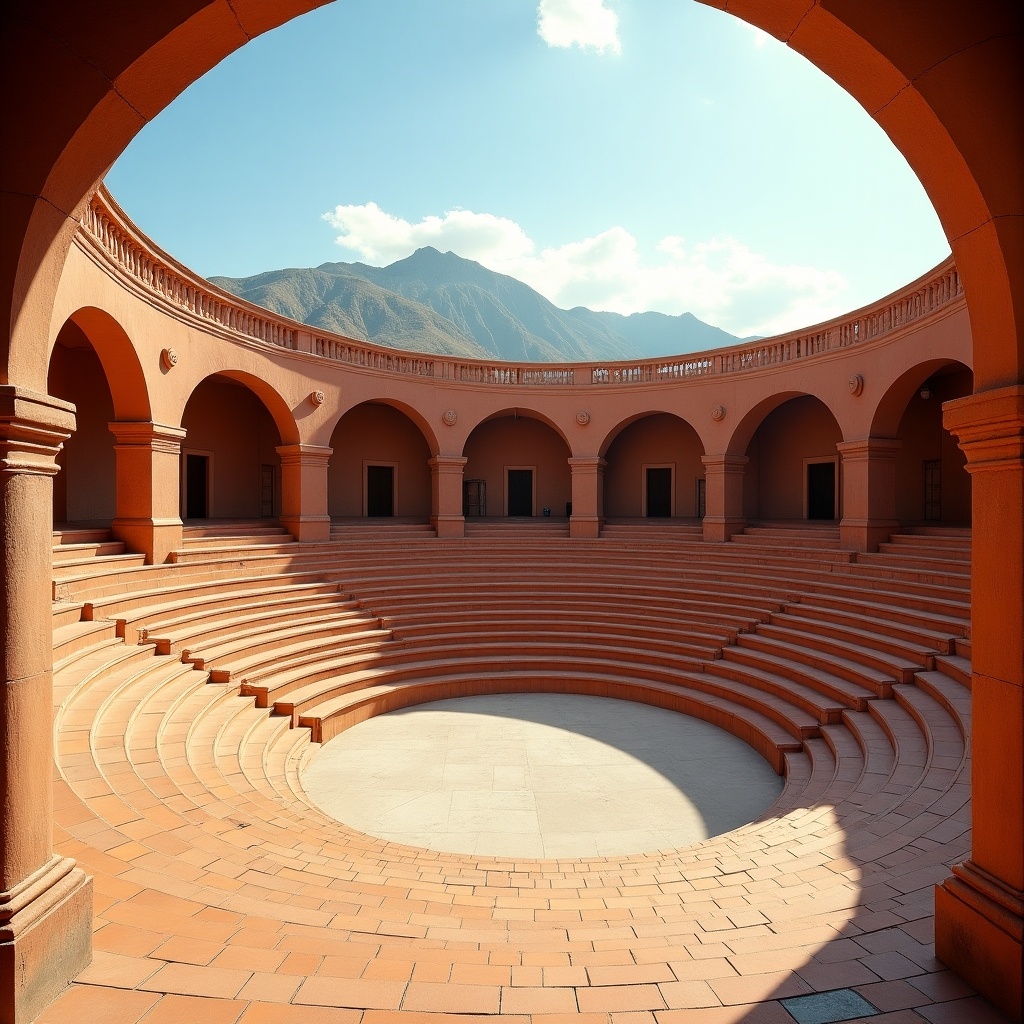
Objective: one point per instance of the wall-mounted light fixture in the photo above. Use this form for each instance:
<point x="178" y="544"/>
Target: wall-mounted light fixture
<point x="925" y="392"/>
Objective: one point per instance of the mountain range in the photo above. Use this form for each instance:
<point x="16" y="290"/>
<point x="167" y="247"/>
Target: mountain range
<point x="443" y="304"/>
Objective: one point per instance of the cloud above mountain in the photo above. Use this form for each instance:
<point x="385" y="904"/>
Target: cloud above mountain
<point x="588" y="24"/>
<point x="720" y="280"/>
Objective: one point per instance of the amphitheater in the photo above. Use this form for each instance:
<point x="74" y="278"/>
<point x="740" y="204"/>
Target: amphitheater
<point x="230" y="539"/>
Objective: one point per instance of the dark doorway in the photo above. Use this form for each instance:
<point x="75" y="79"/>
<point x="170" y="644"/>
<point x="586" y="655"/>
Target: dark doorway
<point x="197" y="486"/>
<point x="520" y="492"/>
<point x="821" y="490"/>
<point x="267" y="492"/>
<point x="380" y="490"/>
<point x="659" y="492"/>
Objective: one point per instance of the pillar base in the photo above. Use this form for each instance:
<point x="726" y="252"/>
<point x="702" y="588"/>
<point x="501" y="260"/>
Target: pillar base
<point x="449" y="526"/>
<point x="307" y="529"/>
<point x="720" y="529"/>
<point x="154" y="538"/>
<point x="978" y="928"/>
<point x="45" y="938"/>
<point x="865" y="534"/>
<point x="585" y="526"/>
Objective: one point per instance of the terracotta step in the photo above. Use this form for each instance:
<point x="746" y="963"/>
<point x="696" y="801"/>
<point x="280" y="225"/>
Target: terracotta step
<point x="792" y="656"/>
<point x="765" y="735"/>
<point x="83" y="552"/>
<point x="248" y="619"/>
<point x="77" y="638"/>
<point x="956" y="667"/>
<point x="850" y="659"/>
<point x="918" y="637"/>
<point x="232" y="663"/>
<point x="822" y="694"/>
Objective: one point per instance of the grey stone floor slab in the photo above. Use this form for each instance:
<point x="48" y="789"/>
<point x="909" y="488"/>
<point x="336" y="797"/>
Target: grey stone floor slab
<point x="540" y="775"/>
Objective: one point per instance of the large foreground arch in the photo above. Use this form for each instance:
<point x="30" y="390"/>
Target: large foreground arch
<point x="941" y="79"/>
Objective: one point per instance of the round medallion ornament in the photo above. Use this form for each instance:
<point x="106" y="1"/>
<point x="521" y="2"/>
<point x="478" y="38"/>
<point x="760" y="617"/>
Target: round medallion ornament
<point x="169" y="358"/>
<point x="583" y="417"/>
<point x="317" y="397"/>
<point x="856" y="384"/>
<point x="450" y="417"/>
<point x="718" y="413"/>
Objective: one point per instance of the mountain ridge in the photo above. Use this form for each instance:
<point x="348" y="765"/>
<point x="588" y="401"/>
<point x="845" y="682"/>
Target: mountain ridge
<point x="443" y="304"/>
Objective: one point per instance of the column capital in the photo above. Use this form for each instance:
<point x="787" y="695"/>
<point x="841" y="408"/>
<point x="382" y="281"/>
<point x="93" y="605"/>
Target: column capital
<point x="725" y="463"/>
<point x="990" y="427"/>
<point x="870" y="447"/>
<point x="587" y="462"/>
<point x="142" y="433"/>
<point x="33" y="427"/>
<point x="449" y="463"/>
<point x="303" y="454"/>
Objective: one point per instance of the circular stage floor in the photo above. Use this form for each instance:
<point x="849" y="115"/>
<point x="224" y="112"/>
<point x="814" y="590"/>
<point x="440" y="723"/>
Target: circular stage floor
<point x="540" y="775"/>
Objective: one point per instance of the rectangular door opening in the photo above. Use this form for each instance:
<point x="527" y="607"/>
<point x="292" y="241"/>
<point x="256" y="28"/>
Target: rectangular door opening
<point x="658" y="492"/>
<point x="197" y="486"/>
<point x="380" y="491"/>
<point x="821" y="490"/>
<point x="520" y="492"/>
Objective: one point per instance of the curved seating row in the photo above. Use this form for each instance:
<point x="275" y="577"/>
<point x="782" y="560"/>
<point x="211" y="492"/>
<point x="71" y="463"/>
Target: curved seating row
<point x="216" y="876"/>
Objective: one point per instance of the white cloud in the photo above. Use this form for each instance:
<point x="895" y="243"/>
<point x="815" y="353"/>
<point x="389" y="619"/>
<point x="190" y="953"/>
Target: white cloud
<point x="720" y="281"/>
<point x="583" y="23"/>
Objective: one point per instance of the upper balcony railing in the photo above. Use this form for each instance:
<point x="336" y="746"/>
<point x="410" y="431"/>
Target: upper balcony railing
<point x="108" y="232"/>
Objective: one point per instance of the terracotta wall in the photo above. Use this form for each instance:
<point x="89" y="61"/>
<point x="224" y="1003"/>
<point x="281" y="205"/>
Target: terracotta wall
<point x="520" y="441"/>
<point x="226" y="419"/>
<point x="378" y="434"/>
<point x="923" y="439"/>
<point x="773" y="486"/>
<point x="85" y="487"/>
<point x="654" y="440"/>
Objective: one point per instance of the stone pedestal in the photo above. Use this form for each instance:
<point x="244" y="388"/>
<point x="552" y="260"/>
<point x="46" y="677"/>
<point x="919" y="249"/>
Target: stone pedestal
<point x="979" y="911"/>
<point x="723" y="496"/>
<point x="45" y="900"/>
<point x="869" y="492"/>
<point x="304" y="491"/>
<point x="587" y="496"/>
<point x="148" y="499"/>
<point x="446" y="516"/>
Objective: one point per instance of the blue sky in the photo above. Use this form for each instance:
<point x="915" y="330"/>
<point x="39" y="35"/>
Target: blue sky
<point x="625" y="155"/>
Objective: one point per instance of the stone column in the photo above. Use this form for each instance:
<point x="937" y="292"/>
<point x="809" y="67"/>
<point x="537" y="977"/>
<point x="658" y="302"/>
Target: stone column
<point x="45" y="900"/>
<point x="148" y="488"/>
<point x="980" y="909"/>
<point x="723" y="496"/>
<point x="446" y="495"/>
<point x="304" y="491"/>
<point x="869" y="492"/>
<point x="587" y="496"/>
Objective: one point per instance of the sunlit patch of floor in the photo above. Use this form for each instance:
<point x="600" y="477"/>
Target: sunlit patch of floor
<point x="540" y="775"/>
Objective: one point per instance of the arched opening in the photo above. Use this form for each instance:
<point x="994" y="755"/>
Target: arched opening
<point x="85" y="488"/>
<point x="230" y="467"/>
<point x="654" y="470"/>
<point x="517" y="467"/>
<point x="933" y="487"/>
<point x="793" y="467"/>
<point x="379" y="468"/>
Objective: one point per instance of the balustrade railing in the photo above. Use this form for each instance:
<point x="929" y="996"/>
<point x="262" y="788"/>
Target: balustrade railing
<point x="112" y="235"/>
